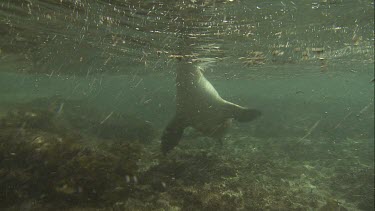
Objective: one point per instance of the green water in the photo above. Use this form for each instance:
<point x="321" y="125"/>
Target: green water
<point x="87" y="88"/>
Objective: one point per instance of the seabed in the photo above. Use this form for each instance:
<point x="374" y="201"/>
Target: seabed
<point x="73" y="159"/>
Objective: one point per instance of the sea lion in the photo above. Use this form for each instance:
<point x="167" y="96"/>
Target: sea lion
<point x="200" y="106"/>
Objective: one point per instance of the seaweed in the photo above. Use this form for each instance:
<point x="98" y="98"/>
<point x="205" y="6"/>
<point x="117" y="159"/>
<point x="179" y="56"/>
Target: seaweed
<point x="42" y="160"/>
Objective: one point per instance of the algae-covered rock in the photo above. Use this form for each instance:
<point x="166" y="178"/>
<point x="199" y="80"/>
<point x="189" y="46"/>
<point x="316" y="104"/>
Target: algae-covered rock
<point x="43" y="159"/>
<point x="55" y="170"/>
<point x="332" y="205"/>
<point x="208" y="197"/>
<point x="193" y="180"/>
<point x="190" y="168"/>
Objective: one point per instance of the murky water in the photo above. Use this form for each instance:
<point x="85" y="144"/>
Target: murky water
<point x="87" y="87"/>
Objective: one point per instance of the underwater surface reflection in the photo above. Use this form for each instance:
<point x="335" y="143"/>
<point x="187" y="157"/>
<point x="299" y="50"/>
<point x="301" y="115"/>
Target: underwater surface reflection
<point x="87" y="88"/>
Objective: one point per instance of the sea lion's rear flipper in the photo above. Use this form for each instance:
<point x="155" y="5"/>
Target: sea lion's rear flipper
<point x="172" y="135"/>
<point x="242" y="114"/>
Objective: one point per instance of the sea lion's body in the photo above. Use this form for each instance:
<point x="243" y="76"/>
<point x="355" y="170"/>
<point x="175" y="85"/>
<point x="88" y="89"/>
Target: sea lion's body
<point x="200" y="106"/>
<point x="197" y="101"/>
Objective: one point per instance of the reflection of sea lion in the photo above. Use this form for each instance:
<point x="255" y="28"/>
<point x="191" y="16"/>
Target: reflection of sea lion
<point x="200" y="106"/>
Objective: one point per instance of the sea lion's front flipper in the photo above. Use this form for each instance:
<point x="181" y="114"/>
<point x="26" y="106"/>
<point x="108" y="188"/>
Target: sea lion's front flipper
<point x="172" y="135"/>
<point x="240" y="113"/>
